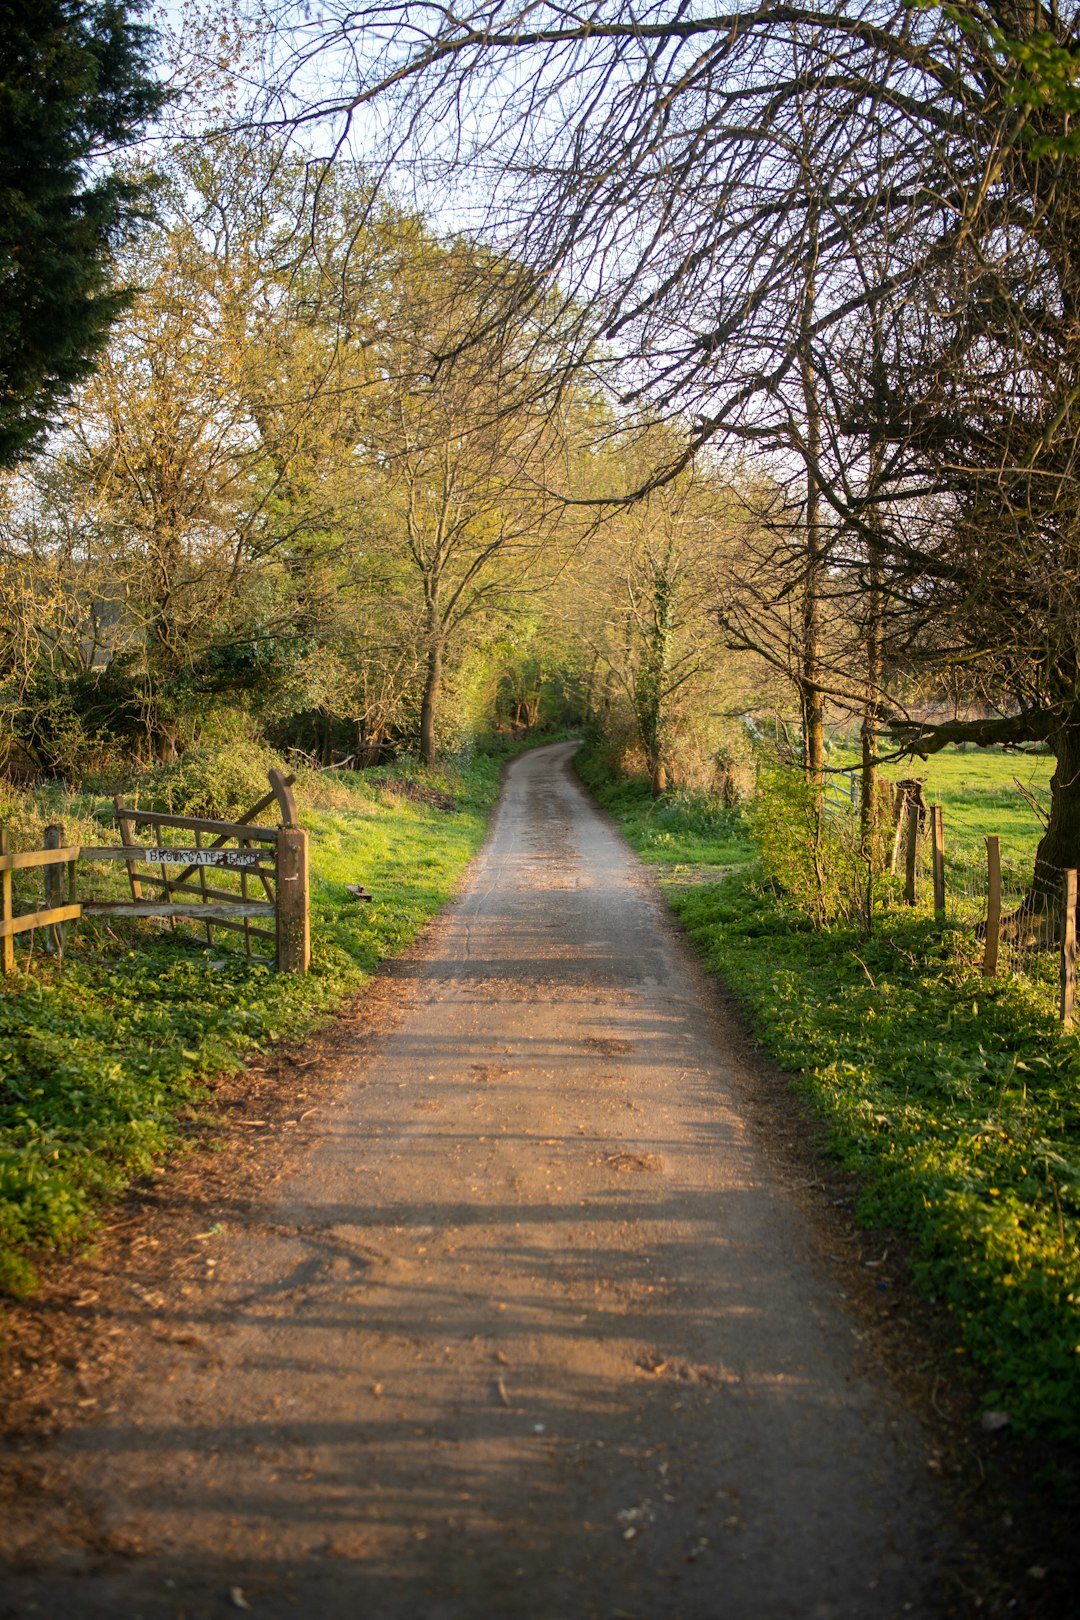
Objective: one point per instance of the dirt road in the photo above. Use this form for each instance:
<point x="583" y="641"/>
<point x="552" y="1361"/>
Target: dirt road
<point x="529" y="1328"/>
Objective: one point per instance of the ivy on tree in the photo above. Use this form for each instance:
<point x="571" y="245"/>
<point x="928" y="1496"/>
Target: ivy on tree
<point x="74" y="84"/>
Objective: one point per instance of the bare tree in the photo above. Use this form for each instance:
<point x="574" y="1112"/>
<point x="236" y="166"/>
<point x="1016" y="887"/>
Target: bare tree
<point x="465" y="454"/>
<point x="678" y="172"/>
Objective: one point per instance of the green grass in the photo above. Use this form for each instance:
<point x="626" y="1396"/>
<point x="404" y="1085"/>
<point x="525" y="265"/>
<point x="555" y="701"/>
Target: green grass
<point x="955" y="1100"/>
<point x="976" y="790"/>
<point x="681" y="832"/>
<point x="102" y="1062"/>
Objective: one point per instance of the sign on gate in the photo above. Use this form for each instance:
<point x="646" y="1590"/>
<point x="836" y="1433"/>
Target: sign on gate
<point x="157" y="855"/>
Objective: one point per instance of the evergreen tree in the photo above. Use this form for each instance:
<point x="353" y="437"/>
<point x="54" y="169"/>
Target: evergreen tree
<point x="74" y="84"/>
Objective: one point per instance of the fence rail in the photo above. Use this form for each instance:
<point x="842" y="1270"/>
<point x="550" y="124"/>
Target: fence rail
<point x="838" y="803"/>
<point x="276" y="858"/>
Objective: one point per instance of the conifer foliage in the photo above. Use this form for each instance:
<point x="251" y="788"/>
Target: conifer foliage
<point x="75" y="84"/>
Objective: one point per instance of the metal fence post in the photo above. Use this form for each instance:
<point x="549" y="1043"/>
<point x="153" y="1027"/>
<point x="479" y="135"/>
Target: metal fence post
<point x="53" y="839"/>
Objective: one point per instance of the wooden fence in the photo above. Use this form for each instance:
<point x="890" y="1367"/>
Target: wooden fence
<point x="1048" y="911"/>
<point x="269" y="904"/>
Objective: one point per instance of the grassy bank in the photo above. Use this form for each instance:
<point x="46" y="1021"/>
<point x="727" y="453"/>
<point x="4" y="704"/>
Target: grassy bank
<point x="102" y="1063"/>
<point x="955" y="1100"/>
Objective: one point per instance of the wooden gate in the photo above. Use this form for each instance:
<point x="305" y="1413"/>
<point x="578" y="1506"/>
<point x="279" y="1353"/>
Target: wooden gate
<point x="257" y="883"/>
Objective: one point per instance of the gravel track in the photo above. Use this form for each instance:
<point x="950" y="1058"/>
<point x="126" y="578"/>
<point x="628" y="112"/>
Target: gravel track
<point x="528" y="1328"/>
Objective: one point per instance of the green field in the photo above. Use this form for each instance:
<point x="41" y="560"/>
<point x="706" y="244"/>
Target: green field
<point x="978" y="795"/>
<point x="974" y="786"/>
<point x="977" y="790"/>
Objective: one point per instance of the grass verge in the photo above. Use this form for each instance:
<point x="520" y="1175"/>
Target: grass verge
<point x="955" y="1100"/>
<point x="102" y="1064"/>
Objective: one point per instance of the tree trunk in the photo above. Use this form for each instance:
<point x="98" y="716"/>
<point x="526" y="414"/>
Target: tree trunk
<point x="590" y="690"/>
<point x="650" y="687"/>
<point x="868" y="780"/>
<point x="813" y="707"/>
<point x="163" y="644"/>
<point x="1035" y="921"/>
<point x="430" y="701"/>
<point x="810" y="694"/>
<point x="163" y="741"/>
<point x="1059" y="846"/>
<point x="871" y="705"/>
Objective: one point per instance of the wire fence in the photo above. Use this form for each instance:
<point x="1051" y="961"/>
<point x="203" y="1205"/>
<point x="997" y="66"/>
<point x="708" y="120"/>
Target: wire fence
<point x="1023" y="914"/>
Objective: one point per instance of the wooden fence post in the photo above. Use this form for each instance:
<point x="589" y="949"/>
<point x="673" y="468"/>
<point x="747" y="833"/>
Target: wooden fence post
<point x="53" y="839"/>
<point x="937" y="824"/>
<point x="7" y="945"/>
<point x="911" y="852"/>
<point x="72" y="891"/>
<point x="993" y="906"/>
<point x="127" y="836"/>
<point x="1068" y="949"/>
<point x="293" y="920"/>
<point x="898" y="829"/>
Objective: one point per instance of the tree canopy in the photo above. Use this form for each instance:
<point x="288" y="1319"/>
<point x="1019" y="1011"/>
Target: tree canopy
<point x="821" y="263"/>
<point x="840" y="241"/>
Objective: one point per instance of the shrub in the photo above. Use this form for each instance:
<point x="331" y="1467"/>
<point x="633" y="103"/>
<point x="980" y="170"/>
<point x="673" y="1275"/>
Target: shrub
<point x="816" y="867"/>
<point x="217" y="780"/>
